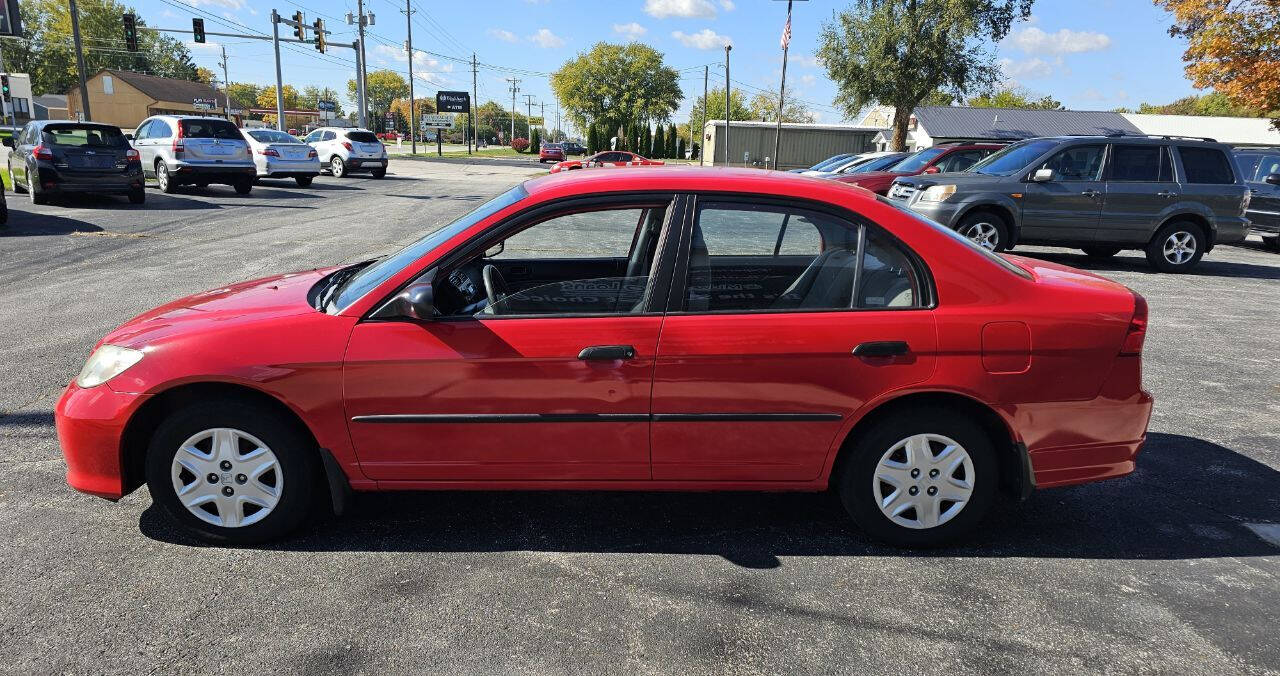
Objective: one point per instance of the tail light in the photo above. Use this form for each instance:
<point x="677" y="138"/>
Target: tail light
<point x="177" y="140"/>
<point x="346" y="144"/>
<point x="269" y="152"/>
<point x="42" y="153"/>
<point x="132" y="155"/>
<point x="1137" y="332"/>
<point x="312" y="153"/>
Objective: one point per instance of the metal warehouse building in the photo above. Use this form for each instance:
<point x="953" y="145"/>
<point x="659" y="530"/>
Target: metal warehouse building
<point x="803" y="145"/>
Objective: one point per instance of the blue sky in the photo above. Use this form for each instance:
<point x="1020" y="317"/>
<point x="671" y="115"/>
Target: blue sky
<point x="1089" y="54"/>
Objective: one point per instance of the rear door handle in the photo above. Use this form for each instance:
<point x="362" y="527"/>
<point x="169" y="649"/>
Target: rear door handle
<point x="882" y="348"/>
<point x="1167" y="193"/>
<point x="1090" y="193"/>
<point x="607" y="353"/>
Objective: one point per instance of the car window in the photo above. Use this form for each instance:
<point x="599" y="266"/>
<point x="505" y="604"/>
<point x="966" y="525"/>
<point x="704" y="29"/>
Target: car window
<point x="271" y="136"/>
<point x="362" y="136"/>
<point x="589" y="234"/>
<point x="1077" y="163"/>
<point x="1011" y="159"/>
<point x="1139" y="163"/>
<point x="142" y="130"/>
<point x="753" y="258"/>
<point x="84" y="136"/>
<point x="960" y="161"/>
<point x="918" y="160"/>
<point x="1205" y="165"/>
<point x="160" y="129"/>
<point x="313" y="136"/>
<point x="328" y="136"/>
<point x="1267" y="165"/>
<point x="215" y="129"/>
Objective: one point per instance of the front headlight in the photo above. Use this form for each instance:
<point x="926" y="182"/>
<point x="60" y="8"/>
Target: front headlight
<point x="937" y="193"/>
<point x="106" y="363"/>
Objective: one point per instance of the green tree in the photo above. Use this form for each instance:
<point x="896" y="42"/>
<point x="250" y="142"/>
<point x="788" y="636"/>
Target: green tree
<point x="672" y="142"/>
<point x="1213" y="103"/>
<point x="680" y="148"/>
<point x="616" y="84"/>
<point x="897" y="52"/>
<point x="738" y="109"/>
<point x="46" y="51"/>
<point x="245" y="94"/>
<point x="659" y="143"/>
<point x="380" y="89"/>
<point x="311" y="94"/>
<point x="764" y="107"/>
<point x="535" y="140"/>
<point x="938" y="97"/>
<point x="1012" y="97"/>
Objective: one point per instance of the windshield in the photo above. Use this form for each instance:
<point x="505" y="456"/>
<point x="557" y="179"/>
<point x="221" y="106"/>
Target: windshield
<point x="85" y="136"/>
<point x="220" y="129"/>
<point x="272" y="136"/>
<point x="830" y="162"/>
<point x="918" y="160"/>
<point x="369" y="278"/>
<point x="362" y="136"/>
<point x="1012" y="159"/>
<point x="876" y="164"/>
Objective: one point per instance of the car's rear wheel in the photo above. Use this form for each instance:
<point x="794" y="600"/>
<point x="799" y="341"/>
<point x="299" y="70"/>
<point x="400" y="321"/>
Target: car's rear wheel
<point x="337" y="167"/>
<point x="164" y="180"/>
<point x="4" y="211"/>
<point x="1177" y="247"/>
<point x="303" y="181"/>
<point x="1272" y="243"/>
<point x="14" y="182"/>
<point x="920" y="478"/>
<point x="137" y="195"/>
<point x="244" y="186"/>
<point x="37" y="195"/>
<point x="988" y="230"/>
<point x="232" y="473"/>
<point x="378" y="173"/>
<point x="1100" y="252"/>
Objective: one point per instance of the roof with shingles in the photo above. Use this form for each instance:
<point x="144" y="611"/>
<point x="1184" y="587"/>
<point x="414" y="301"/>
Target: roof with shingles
<point x="963" y="122"/>
<point x="169" y="89"/>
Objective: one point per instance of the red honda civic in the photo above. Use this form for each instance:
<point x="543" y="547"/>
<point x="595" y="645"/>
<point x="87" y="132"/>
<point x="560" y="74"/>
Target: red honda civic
<point x="681" y="329"/>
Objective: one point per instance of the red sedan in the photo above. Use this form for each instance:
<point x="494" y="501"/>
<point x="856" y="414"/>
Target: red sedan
<point x="938" y="159"/>
<point x="608" y="158"/>
<point x="550" y="152"/>
<point x="692" y="329"/>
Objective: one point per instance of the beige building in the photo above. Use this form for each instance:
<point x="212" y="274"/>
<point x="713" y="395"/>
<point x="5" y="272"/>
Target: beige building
<point x="124" y="98"/>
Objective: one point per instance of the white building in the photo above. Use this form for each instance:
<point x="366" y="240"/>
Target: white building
<point x="1236" y="131"/>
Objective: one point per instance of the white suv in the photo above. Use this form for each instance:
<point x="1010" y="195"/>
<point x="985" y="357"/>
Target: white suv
<point x="181" y="149"/>
<point x="347" y="150"/>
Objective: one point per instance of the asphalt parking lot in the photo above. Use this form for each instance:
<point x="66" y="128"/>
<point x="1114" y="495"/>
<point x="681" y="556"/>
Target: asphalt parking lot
<point x="1164" y="571"/>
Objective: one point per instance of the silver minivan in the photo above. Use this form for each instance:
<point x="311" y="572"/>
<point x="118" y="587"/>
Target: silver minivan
<point x="192" y="150"/>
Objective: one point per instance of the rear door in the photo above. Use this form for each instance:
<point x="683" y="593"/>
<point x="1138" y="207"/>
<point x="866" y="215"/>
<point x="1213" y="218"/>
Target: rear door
<point x="783" y="322"/>
<point x="21" y="151"/>
<point x="87" y="151"/>
<point x="1264" y="203"/>
<point x="1140" y="186"/>
<point x="1066" y="209"/>
<point x="208" y="141"/>
<point x="365" y="145"/>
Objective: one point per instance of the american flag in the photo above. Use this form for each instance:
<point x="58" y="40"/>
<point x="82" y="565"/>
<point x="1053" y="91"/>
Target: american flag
<point x="786" y="33"/>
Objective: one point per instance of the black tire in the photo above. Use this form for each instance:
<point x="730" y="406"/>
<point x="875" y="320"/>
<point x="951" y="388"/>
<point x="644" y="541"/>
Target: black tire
<point x="243" y="186"/>
<point x="378" y="173"/>
<point x="337" y="167"/>
<point x="1168" y="236"/>
<point x="987" y="229"/>
<point x="14" y="182"/>
<point x="164" y="179"/>
<point x="1272" y="243"/>
<point x="856" y="483"/>
<point x="1100" y="252"/>
<point x="303" y="181"/>
<point x="34" y="192"/>
<point x="4" y="211"/>
<point x="137" y="195"/>
<point x="296" y="456"/>
<point x="202" y="184"/>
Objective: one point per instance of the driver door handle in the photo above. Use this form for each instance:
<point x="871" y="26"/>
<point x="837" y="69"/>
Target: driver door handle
<point x="882" y="348"/>
<point x="607" y="353"/>
<point x="1167" y="193"/>
<point x="1090" y="193"/>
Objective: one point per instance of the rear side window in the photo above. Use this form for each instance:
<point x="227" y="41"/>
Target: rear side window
<point x="85" y="136"/>
<point x="1148" y="163"/>
<point x="1205" y="165"/>
<point x="362" y="137"/>
<point x="219" y="129"/>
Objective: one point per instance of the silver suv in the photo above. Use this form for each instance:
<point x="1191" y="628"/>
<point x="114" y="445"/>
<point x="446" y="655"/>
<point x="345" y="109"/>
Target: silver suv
<point x="345" y="150"/>
<point x="191" y="150"/>
<point x="1172" y="197"/>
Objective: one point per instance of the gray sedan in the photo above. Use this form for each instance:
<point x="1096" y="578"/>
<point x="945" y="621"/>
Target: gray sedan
<point x="277" y="154"/>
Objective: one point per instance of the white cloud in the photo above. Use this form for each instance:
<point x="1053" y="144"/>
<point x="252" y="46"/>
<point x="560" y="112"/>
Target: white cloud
<point x="1032" y="40"/>
<point x="203" y="46"/>
<point x="1034" y="67"/>
<point x="703" y="39"/>
<point x="686" y="9"/>
<point x="423" y="64"/>
<point x="808" y="79"/>
<point x="631" y="30"/>
<point x="503" y="35"/>
<point x="546" y="39"/>
<point x="727" y="5"/>
<point x="803" y="60"/>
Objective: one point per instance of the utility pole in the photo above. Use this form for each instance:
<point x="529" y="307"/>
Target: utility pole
<point x="727" y="99"/>
<point x="473" y="116"/>
<point x="702" y="131"/>
<point x="782" y="87"/>
<point x="408" y="45"/>
<point x="528" y="115"/>
<point x="275" y="42"/>
<point x="514" y="88"/>
<point x="226" y="84"/>
<point x="558" y="132"/>
<point x="361" y="95"/>
<point x="84" y="85"/>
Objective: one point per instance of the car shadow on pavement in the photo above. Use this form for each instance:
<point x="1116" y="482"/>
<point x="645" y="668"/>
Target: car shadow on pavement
<point x="1189" y="499"/>
<point x="1206" y="267"/>
<point x="30" y="224"/>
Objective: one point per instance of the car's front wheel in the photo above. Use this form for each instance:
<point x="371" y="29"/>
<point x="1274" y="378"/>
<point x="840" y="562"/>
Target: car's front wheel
<point x="986" y="229"/>
<point x="232" y="473"/>
<point x="919" y="478"/>
<point x="1177" y="247"/>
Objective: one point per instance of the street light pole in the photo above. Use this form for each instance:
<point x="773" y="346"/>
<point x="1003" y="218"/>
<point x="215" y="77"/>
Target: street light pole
<point x="84" y="85"/>
<point x="408" y="20"/>
<point x="702" y="131"/>
<point x="275" y="42"/>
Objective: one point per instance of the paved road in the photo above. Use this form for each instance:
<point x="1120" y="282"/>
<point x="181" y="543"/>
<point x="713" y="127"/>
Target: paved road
<point x="1156" y="572"/>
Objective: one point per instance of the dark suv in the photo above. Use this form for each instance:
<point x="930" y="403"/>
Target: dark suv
<point x="1261" y="170"/>
<point x="1173" y="197"/>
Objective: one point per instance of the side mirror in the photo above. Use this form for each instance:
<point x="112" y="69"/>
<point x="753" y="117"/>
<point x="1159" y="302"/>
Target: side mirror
<point x="1043" y="175"/>
<point x="1273" y="179"/>
<point x="8" y="142"/>
<point x="128" y="137"/>
<point x="416" y="302"/>
<point x="932" y="169"/>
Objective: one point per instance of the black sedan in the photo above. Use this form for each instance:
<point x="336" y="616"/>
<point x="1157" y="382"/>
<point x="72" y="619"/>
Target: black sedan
<point x="57" y="157"/>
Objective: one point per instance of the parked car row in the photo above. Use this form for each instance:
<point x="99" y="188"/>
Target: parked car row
<point x="57" y="157"/>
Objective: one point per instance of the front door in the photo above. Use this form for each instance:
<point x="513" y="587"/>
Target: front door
<point x="1264" y="198"/>
<point x="540" y="366"/>
<point x="785" y="322"/>
<point x="1140" y="187"/>
<point x="1066" y="208"/>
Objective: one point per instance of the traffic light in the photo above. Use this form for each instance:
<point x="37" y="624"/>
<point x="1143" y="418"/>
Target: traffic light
<point x="197" y="29"/>
<point x="318" y="27"/>
<point x="299" y="28"/>
<point x="4" y="87"/>
<point x="131" y="32"/>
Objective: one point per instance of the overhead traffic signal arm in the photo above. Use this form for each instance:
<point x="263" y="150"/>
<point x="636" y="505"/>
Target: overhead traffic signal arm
<point x="299" y="28"/>
<point x="318" y="28"/>
<point x="197" y="29"/>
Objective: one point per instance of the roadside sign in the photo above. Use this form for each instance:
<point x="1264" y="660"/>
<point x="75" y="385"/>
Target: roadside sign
<point x="453" y="102"/>
<point x="437" y="121"/>
<point x="204" y="104"/>
<point x="326" y="106"/>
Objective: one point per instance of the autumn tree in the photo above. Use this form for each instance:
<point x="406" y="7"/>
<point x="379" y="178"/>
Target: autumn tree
<point x="1232" y="47"/>
<point x="616" y="85"/>
<point x="1213" y="103"/>
<point x="897" y="52"/>
<point x="381" y="87"/>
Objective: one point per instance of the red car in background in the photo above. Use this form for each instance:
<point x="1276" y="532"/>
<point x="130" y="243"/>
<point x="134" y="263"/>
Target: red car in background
<point x="550" y="152"/>
<point x="608" y="158"/>
<point x="934" y="160"/>
<point x="812" y="336"/>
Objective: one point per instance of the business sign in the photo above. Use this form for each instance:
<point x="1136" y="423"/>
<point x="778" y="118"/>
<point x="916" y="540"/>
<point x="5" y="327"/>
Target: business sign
<point x="326" y="106"/>
<point x="453" y="102"/>
<point x="204" y="104"/>
<point x="10" y="21"/>
<point x="437" y="121"/>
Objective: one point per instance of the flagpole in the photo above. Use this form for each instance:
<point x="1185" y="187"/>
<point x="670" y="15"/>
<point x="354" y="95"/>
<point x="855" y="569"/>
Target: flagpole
<point x="782" y="88"/>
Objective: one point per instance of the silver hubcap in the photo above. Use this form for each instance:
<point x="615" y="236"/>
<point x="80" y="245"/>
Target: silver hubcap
<point x="336" y="165"/>
<point x="227" y="477"/>
<point x="162" y="175"/>
<point x="984" y="234"/>
<point x="923" y="481"/>
<point x="1179" y="247"/>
